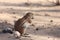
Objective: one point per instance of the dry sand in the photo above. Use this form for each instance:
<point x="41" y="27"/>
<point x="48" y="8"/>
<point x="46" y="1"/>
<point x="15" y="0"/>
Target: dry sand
<point x="42" y="15"/>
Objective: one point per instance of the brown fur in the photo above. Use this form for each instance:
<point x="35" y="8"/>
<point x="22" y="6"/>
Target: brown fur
<point x="19" y="23"/>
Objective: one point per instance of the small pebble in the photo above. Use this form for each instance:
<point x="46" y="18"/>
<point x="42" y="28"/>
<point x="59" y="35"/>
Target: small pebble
<point x="37" y="29"/>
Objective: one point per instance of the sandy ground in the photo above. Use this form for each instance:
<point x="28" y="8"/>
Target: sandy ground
<point x="42" y="15"/>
